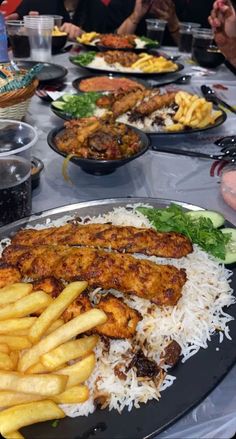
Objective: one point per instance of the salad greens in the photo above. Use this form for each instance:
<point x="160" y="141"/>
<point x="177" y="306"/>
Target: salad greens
<point x="199" y="230"/>
<point x="84" y="58"/>
<point x="149" y="42"/>
<point x="82" y="105"/>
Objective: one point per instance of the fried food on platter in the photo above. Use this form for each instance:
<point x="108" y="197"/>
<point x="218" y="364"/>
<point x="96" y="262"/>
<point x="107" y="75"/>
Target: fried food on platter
<point x="5" y="362"/>
<point x="9" y="275"/>
<point x="80" y="371"/>
<point x="49" y="285"/>
<point x="154" y="103"/>
<point x="87" y="37"/>
<point x="55" y="309"/>
<point x="162" y="284"/>
<point x="25" y="306"/>
<point x="15" y="342"/>
<point x="69" y="351"/>
<point x="73" y="395"/>
<point x="14" y="292"/>
<point x="45" y="384"/>
<point x="10" y="398"/>
<point x="16" y="325"/>
<point x="26" y="414"/>
<point x="150" y="64"/>
<point x="4" y="348"/>
<point x="120" y="238"/>
<point x="79" y="306"/>
<point x="78" y="325"/>
<point x="193" y="112"/>
<point x="127" y="102"/>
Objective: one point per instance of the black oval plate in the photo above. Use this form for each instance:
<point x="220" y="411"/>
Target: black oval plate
<point x="99" y="167"/>
<point x="102" y="48"/>
<point x="49" y="73"/>
<point x="77" y="81"/>
<point x="195" y="379"/>
<point x="95" y="70"/>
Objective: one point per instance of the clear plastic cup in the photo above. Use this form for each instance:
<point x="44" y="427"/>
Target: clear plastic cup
<point x="186" y="36"/>
<point x="15" y="189"/>
<point x="16" y="138"/>
<point x="18" y="37"/>
<point x="155" y="29"/>
<point x="39" y="29"/>
<point x="204" y="50"/>
<point x="57" y="19"/>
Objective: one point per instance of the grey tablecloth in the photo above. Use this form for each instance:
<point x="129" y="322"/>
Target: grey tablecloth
<point x="159" y="175"/>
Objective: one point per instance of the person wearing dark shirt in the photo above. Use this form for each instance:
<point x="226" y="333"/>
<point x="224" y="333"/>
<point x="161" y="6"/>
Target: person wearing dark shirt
<point x="49" y="7"/>
<point x="129" y="16"/>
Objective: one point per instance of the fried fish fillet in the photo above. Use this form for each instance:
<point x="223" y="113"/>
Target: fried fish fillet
<point x="162" y="284"/>
<point x="121" y="319"/>
<point x="122" y="239"/>
<point x="128" y="101"/>
<point x="9" y="275"/>
<point x="49" y="285"/>
<point x="155" y="103"/>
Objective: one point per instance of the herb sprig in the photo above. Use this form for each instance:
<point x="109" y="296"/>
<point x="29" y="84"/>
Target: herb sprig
<point x="84" y="58"/>
<point x="200" y="230"/>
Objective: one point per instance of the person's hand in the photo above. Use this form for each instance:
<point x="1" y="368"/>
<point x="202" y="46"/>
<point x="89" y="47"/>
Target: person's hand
<point x="223" y="17"/>
<point x="165" y="10"/>
<point x="141" y="8"/>
<point x="72" y="30"/>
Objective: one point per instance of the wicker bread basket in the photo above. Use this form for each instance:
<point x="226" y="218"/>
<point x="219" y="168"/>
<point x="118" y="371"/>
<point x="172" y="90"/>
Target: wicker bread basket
<point x="14" y="104"/>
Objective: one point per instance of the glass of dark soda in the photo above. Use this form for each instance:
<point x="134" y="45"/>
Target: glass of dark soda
<point x="204" y="50"/>
<point x="15" y="188"/>
<point x="155" y="29"/>
<point x="19" y="39"/>
<point x="186" y="36"/>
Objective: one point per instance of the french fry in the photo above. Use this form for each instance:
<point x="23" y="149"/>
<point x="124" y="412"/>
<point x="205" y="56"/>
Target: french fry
<point x="27" y="305"/>
<point x="5" y="362"/>
<point x="55" y="309"/>
<point x="69" y="351"/>
<point x="14" y="418"/>
<point x="54" y="326"/>
<point x="74" y="395"/>
<point x="47" y="384"/>
<point x="78" y="325"/>
<point x="15" y="342"/>
<point x="4" y="348"/>
<point x="16" y="325"/>
<point x="80" y="371"/>
<point x="14" y="292"/>
<point x="37" y="368"/>
<point x="14" y="356"/>
<point x="10" y="398"/>
<point x="13" y="435"/>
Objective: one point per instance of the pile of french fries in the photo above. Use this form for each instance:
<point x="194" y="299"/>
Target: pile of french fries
<point x="193" y="112"/>
<point x="87" y="37"/>
<point x="151" y="64"/>
<point x="42" y="364"/>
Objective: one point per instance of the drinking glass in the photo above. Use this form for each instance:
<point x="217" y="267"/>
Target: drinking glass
<point x="186" y="36"/>
<point x="18" y="37"/>
<point x="39" y="30"/>
<point x="204" y="50"/>
<point x="155" y="29"/>
<point x="15" y="188"/>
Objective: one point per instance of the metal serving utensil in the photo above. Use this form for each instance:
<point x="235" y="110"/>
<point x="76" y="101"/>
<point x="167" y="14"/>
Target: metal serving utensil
<point x="210" y="95"/>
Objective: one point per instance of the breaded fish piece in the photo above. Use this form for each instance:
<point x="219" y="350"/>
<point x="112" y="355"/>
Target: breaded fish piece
<point x="9" y="275"/>
<point x="155" y="103"/>
<point x="162" y="284"/>
<point x="122" y="320"/>
<point x="49" y="285"/>
<point x="122" y="239"/>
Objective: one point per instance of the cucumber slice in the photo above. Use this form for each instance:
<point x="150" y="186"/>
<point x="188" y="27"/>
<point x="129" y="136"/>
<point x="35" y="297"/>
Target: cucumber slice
<point x="230" y="255"/>
<point x="58" y="104"/>
<point x="216" y="217"/>
<point x="67" y="97"/>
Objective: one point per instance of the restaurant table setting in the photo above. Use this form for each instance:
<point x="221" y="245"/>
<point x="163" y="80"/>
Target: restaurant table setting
<point x="185" y="167"/>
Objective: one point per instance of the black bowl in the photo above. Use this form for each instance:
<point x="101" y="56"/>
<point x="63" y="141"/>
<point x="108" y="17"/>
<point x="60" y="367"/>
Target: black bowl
<point x="58" y="42"/>
<point x="208" y="56"/>
<point x="99" y="167"/>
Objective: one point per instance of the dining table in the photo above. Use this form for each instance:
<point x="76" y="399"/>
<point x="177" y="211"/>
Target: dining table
<point x="156" y="174"/>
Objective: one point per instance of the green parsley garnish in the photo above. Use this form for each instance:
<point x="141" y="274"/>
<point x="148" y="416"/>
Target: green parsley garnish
<point x="82" y="105"/>
<point x="55" y="423"/>
<point x="199" y="230"/>
<point x="85" y="58"/>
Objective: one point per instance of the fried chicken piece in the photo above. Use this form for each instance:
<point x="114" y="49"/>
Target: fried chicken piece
<point x="79" y="306"/>
<point x="155" y="103"/>
<point x="49" y="285"/>
<point x="122" y="239"/>
<point x="162" y="284"/>
<point x="122" y="320"/>
<point x="126" y="59"/>
<point x="128" y="102"/>
<point x="9" y="275"/>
